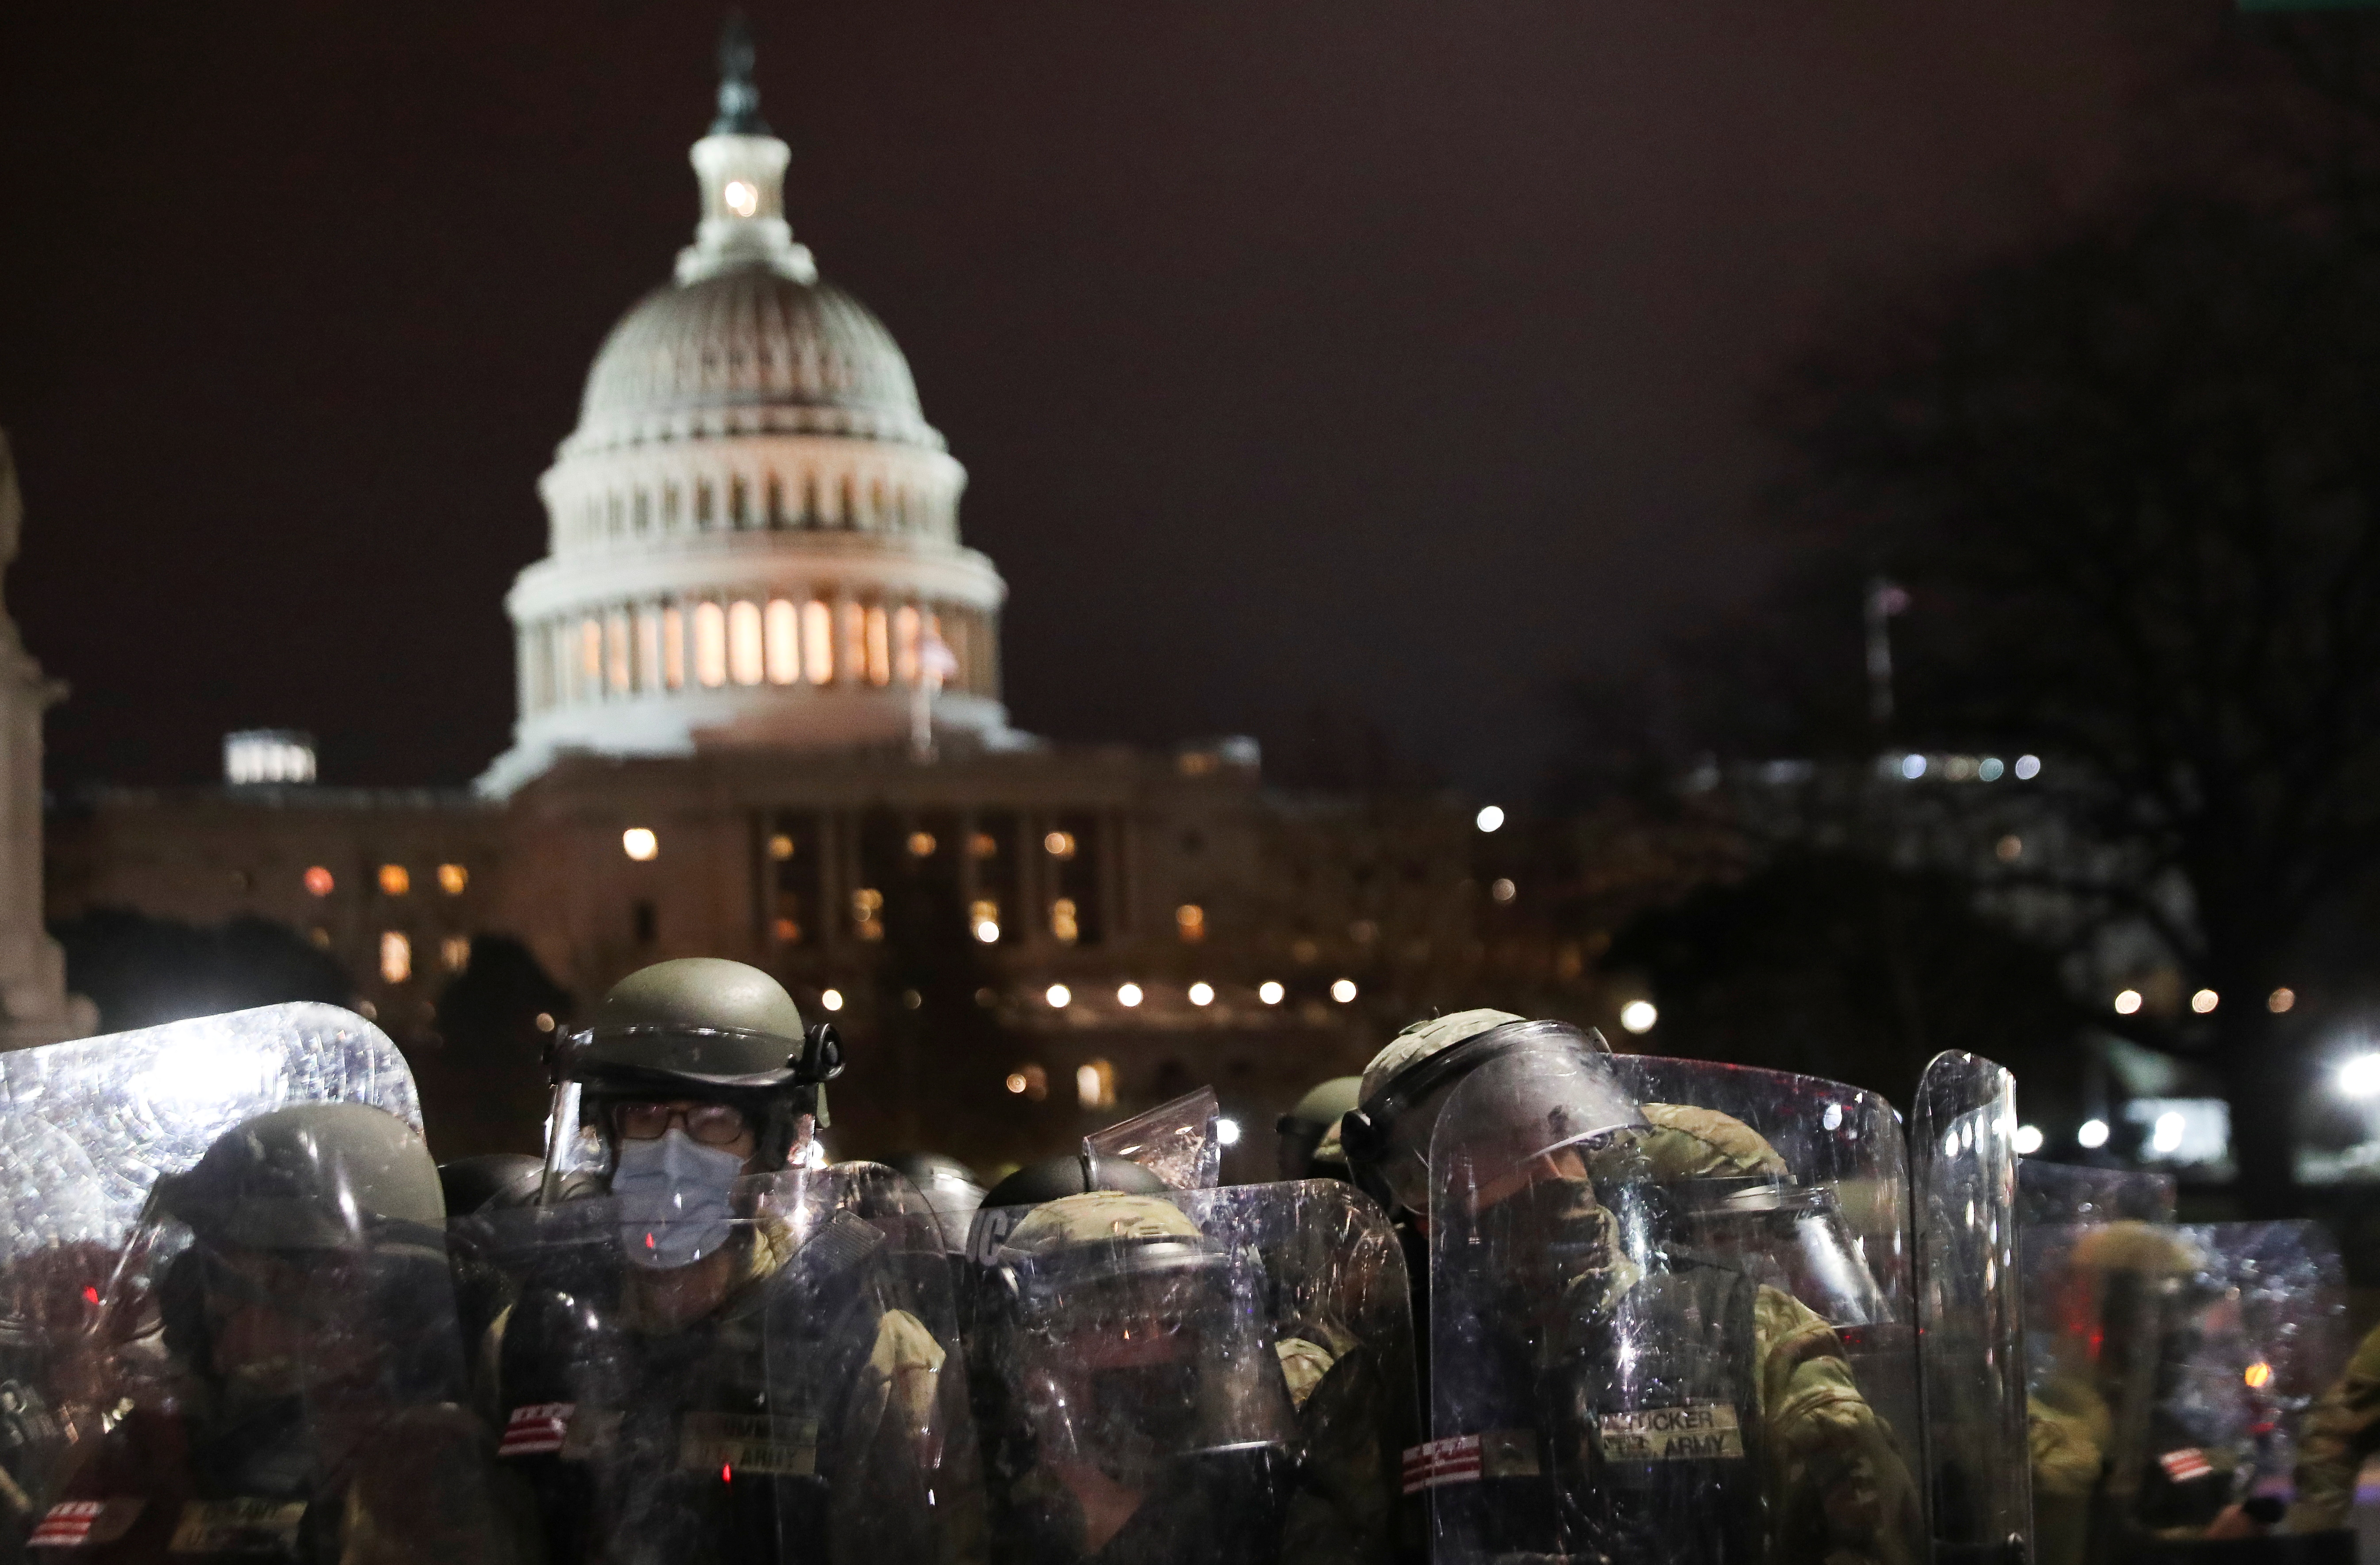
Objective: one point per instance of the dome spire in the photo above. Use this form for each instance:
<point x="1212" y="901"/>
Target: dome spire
<point x="741" y="166"/>
<point x="739" y="96"/>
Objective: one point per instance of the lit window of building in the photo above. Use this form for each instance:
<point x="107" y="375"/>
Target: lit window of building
<point x="649" y="649"/>
<point x="709" y="645"/>
<point x="983" y="844"/>
<point x="394" y="881"/>
<point x="906" y="636"/>
<point x="451" y="879"/>
<point x="1059" y="845"/>
<point x="396" y="957"/>
<point x="454" y="953"/>
<point x="1095" y="1084"/>
<point x="921" y="845"/>
<point x="983" y="917"/>
<point x="319" y="881"/>
<point x="854" y="641"/>
<point x="1202" y="993"/>
<point x="745" y="660"/>
<point x="818" y="642"/>
<point x="1191" y="920"/>
<point x="590" y="656"/>
<point x="673" y="647"/>
<point x="879" y="649"/>
<point x="640" y="844"/>
<point x="866" y="913"/>
<point x="1063" y="924"/>
<point x="780" y="847"/>
<point x="616" y="641"/>
<point x="784" y="638"/>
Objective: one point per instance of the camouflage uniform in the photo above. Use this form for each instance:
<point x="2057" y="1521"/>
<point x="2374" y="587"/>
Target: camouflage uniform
<point x="2340" y="1431"/>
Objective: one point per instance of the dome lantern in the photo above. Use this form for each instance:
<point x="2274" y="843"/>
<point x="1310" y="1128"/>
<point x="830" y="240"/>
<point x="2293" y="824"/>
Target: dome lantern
<point x="741" y="166"/>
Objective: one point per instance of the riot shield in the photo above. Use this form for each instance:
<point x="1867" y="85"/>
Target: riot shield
<point x="785" y="1390"/>
<point x="1687" y="1337"/>
<point x="52" y="1268"/>
<point x="2054" y="1195"/>
<point x="1971" y="1368"/>
<point x="2251" y="1334"/>
<point x="145" y="1103"/>
<point x="1218" y="1376"/>
<point x="1174" y="1141"/>
<point x="277" y="1359"/>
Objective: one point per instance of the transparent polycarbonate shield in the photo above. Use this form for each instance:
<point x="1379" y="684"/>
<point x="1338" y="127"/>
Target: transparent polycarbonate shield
<point x="1624" y="1361"/>
<point x="53" y="1270"/>
<point x="1226" y="1374"/>
<point x="1963" y="1136"/>
<point x="789" y="1387"/>
<point x="280" y="1359"/>
<point x="2250" y="1337"/>
<point x="144" y="1103"/>
<point x="2056" y="1195"/>
<point x="1174" y="1141"/>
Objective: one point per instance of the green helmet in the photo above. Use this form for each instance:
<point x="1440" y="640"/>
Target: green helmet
<point x="314" y="1176"/>
<point x="1101" y="1241"/>
<point x="1312" y="1121"/>
<point x="703" y="1022"/>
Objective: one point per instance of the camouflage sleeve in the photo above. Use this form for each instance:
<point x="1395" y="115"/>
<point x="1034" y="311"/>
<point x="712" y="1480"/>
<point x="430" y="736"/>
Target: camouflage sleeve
<point x="1346" y="1509"/>
<point x="1839" y="1491"/>
<point x="2340" y="1430"/>
<point x="2065" y="1458"/>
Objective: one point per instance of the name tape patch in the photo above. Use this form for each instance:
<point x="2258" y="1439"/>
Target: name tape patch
<point x="1689" y="1432"/>
<point x="748" y="1443"/>
<point x="239" y="1526"/>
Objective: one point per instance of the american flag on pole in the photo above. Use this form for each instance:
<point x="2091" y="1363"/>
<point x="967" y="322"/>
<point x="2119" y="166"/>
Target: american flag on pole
<point x="67" y="1524"/>
<point x="1436" y="1462"/>
<point x="936" y="663"/>
<point x="2185" y="1465"/>
<point x="537" y="1430"/>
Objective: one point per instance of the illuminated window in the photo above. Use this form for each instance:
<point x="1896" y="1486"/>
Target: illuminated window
<point x="866" y="913"/>
<point x="1030" y="1081"/>
<point x="1095" y="1084"/>
<point x="394" y="881"/>
<point x="710" y="645"/>
<point x="780" y="847"/>
<point x="905" y="628"/>
<point x="1191" y="920"/>
<point x="855" y="642"/>
<point x="451" y="879"/>
<point x="817" y="642"/>
<point x="983" y="917"/>
<point x="921" y="845"/>
<point x="396" y="957"/>
<point x="1063" y="924"/>
<point x="983" y="844"/>
<point x="1202" y="993"/>
<point x="454" y="953"/>
<point x="744" y="642"/>
<point x="673" y="647"/>
<point x="1059" y="845"/>
<point x="784" y="638"/>
<point x="640" y="844"/>
<point x="616" y="645"/>
<point x="318" y="880"/>
<point x="742" y="198"/>
<point x="879" y="650"/>
<point x="649" y="649"/>
<point x="590" y="657"/>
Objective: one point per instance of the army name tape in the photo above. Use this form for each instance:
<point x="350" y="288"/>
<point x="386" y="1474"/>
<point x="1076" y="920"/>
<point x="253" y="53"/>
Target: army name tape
<point x="748" y="1442"/>
<point x="1466" y="1458"/>
<point x="238" y="1526"/>
<point x="1689" y="1432"/>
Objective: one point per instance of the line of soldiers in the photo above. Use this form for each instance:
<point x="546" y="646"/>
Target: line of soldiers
<point x="1517" y="1299"/>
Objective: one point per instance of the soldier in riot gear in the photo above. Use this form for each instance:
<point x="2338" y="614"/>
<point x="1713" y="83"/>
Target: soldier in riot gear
<point x="311" y="1404"/>
<point x="732" y="1354"/>
<point x="1310" y="1146"/>
<point x="1137" y="1411"/>
<point x="1621" y="1367"/>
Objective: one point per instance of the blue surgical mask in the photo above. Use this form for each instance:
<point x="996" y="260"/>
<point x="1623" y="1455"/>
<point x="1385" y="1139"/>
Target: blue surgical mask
<point x="673" y="1199"/>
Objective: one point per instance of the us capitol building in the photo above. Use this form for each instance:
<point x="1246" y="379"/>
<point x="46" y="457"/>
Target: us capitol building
<point x="757" y="677"/>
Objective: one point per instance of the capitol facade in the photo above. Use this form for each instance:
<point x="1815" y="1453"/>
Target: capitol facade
<point x="759" y="715"/>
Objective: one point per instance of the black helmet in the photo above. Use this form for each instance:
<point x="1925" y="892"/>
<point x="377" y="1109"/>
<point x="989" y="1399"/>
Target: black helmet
<point x="1077" y="1174"/>
<point x="949" y="1187"/>
<point x="495" y="1181"/>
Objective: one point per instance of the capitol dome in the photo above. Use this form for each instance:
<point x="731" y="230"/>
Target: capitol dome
<point x="748" y="351"/>
<point x="753" y="532"/>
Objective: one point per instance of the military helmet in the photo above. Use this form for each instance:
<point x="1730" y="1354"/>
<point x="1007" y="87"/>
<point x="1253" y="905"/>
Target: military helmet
<point x="1314" y="1121"/>
<point x="312" y="1176"/>
<point x="706" y="1024"/>
<point x="492" y="1181"/>
<point x="1074" y="1174"/>
<point x="1409" y="1079"/>
<point x="949" y="1187"/>
<point x="1101" y="1238"/>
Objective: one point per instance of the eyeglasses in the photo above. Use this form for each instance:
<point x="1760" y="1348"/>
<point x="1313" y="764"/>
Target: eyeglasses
<point x="713" y="1125"/>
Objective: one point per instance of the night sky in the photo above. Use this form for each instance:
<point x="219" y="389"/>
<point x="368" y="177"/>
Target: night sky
<point x="1396" y="360"/>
